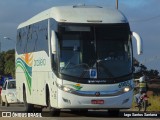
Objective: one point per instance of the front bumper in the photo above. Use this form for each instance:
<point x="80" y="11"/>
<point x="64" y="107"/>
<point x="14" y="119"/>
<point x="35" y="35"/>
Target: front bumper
<point x="12" y="100"/>
<point x="67" y="100"/>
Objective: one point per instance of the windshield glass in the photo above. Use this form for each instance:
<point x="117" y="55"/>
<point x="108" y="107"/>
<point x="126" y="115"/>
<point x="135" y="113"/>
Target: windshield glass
<point x="113" y="51"/>
<point x="105" y="49"/>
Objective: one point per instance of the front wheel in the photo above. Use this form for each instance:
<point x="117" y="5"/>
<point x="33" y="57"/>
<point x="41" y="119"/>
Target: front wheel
<point x="6" y="102"/>
<point x="2" y="103"/>
<point x="139" y="107"/>
<point x="145" y="104"/>
<point x="53" y="111"/>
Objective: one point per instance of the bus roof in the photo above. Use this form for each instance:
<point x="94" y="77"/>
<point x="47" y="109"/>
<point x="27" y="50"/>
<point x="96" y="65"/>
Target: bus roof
<point x="79" y="14"/>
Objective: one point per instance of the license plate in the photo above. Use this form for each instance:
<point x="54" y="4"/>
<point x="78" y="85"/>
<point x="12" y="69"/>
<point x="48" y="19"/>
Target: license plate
<point x="97" y="101"/>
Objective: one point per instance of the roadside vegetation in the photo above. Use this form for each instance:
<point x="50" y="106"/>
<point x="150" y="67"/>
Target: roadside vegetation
<point x="7" y="63"/>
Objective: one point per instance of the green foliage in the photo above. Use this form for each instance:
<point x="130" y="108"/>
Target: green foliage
<point x="143" y="70"/>
<point x="154" y="100"/>
<point x="2" y="62"/>
<point x="7" y="63"/>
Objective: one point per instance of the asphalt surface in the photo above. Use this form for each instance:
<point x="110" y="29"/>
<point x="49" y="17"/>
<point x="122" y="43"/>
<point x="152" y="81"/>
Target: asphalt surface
<point x="17" y="109"/>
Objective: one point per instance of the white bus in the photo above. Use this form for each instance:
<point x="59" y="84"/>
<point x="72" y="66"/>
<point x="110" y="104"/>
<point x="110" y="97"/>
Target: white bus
<point x="75" y="57"/>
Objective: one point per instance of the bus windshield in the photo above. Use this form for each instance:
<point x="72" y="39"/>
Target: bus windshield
<point x="105" y="48"/>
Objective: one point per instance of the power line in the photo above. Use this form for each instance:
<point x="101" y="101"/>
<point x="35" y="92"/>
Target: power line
<point x="148" y="60"/>
<point x="147" y="19"/>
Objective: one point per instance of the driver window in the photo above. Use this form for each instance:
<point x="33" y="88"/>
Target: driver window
<point x="70" y="50"/>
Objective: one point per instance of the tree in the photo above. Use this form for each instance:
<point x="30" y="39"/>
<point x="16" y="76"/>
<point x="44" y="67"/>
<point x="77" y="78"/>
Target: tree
<point x="142" y="69"/>
<point x="2" y="63"/>
<point x="10" y="63"/>
<point x="7" y="63"/>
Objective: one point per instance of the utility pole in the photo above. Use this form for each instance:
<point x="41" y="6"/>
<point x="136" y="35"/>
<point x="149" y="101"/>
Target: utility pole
<point x="117" y="4"/>
<point x="0" y="45"/>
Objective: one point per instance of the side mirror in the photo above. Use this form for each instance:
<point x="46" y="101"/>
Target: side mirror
<point x="54" y="42"/>
<point x="139" y="43"/>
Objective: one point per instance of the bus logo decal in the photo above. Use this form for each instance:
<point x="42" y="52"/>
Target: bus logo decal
<point x="77" y="86"/>
<point x="25" y="63"/>
<point x="97" y="94"/>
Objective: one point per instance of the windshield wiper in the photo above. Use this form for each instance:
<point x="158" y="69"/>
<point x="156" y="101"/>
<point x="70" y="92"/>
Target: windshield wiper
<point x="84" y="65"/>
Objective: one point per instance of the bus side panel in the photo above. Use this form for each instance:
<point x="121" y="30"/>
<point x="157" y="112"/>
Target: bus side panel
<point x="40" y="69"/>
<point x="40" y="87"/>
<point x="21" y="83"/>
<point x="32" y="51"/>
<point x="35" y="83"/>
<point x="54" y="91"/>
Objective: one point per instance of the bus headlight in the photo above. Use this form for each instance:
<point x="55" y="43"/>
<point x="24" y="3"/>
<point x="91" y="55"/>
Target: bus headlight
<point x="126" y="89"/>
<point x="66" y="89"/>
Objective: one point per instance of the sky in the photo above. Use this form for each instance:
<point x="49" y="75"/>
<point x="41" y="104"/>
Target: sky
<point x="143" y="17"/>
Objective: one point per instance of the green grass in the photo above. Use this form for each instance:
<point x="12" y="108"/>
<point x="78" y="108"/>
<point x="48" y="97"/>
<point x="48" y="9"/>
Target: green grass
<point x="155" y="103"/>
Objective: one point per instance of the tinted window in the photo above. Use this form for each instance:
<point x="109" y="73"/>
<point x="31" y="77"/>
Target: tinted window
<point x="33" y="38"/>
<point x="11" y="85"/>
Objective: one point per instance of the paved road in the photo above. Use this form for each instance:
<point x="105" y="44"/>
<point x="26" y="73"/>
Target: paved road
<point x="68" y="115"/>
<point x="12" y="107"/>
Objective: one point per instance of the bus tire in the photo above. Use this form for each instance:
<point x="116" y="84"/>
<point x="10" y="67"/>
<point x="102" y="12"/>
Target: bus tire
<point x="52" y="111"/>
<point x="145" y="105"/>
<point x="6" y="102"/>
<point x="28" y="107"/>
<point x="2" y="103"/>
<point x="37" y="109"/>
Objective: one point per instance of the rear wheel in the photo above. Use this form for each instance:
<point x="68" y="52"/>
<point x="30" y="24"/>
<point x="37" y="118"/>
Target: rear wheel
<point x="37" y="109"/>
<point x="6" y="102"/>
<point x="2" y="103"/>
<point x="28" y="107"/>
<point x="139" y="107"/>
<point x="145" y="104"/>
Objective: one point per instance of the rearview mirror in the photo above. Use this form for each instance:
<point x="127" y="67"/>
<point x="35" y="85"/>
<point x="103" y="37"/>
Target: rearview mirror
<point x="139" y="43"/>
<point x="54" y="42"/>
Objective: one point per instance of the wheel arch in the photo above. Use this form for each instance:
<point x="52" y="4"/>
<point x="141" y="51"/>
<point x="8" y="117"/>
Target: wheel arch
<point x="47" y="91"/>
